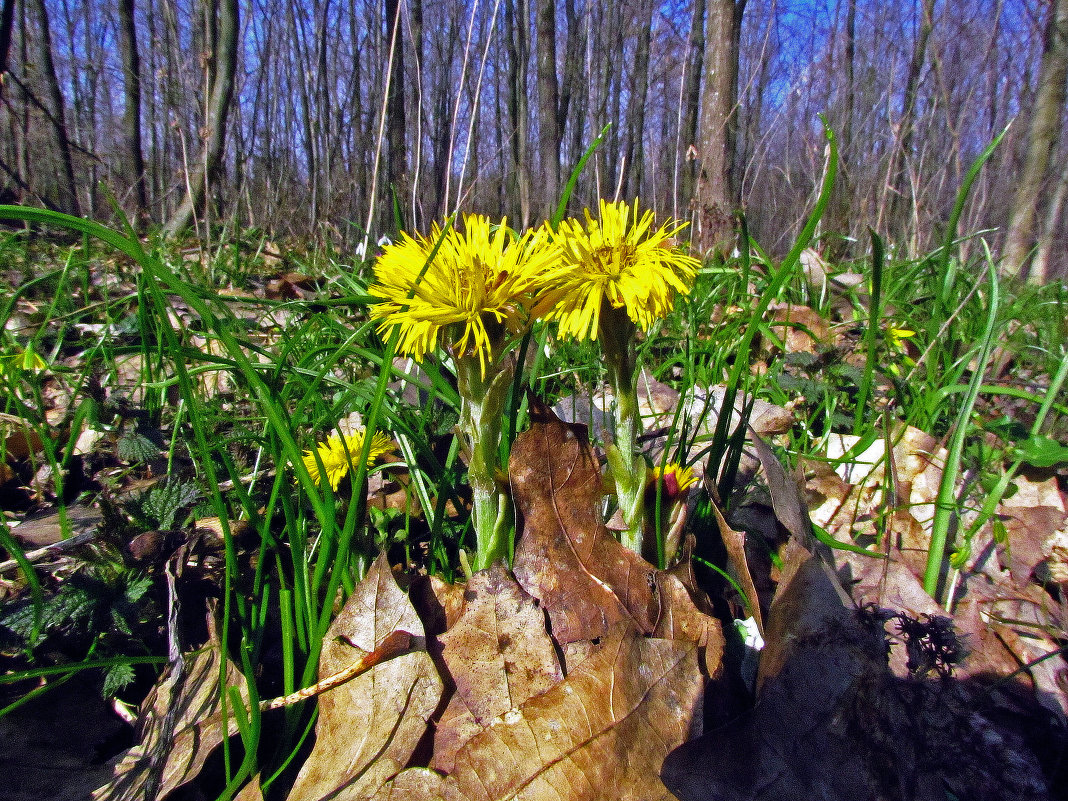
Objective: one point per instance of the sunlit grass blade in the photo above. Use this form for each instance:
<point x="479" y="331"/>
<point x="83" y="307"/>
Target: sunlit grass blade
<point x="945" y="502"/>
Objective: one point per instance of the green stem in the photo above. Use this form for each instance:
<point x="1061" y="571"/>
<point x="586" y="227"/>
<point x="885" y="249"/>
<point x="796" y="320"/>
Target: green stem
<point x="627" y="464"/>
<point x="481" y="416"/>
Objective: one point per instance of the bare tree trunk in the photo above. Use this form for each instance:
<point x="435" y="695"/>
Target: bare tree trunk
<point x="323" y="101"/>
<point x="7" y="26"/>
<point x="515" y="23"/>
<point x="1042" y="142"/>
<point x="222" y="92"/>
<point x="440" y="134"/>
<point x="302" y="71"/>
<point x="548" y="108"/>
<point x="67" y="193"/>
<point x="633" y="155"/>
<point x="396" y="152"/>
<point x="841" y="208"/>
<point x="691" y="103"/>
<point x="131" y="115"/>
<point x="572" y="81"/>
<point x="716" y="193"/>
<point x="898" y="214"/>
<point x="1054" y="219"/>
<point x="576" y="74"/>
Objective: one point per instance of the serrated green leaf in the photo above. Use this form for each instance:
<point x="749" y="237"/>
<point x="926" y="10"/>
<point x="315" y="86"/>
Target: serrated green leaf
<point x="117" y="677"/>
<point x="159" y="507"/>
<point x="135" y="447"/>
<point x="137" y="588"/>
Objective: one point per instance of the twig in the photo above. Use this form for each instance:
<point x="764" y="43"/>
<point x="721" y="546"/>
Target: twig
<point x="55" y="548"/>
<point x="397" y="643"/>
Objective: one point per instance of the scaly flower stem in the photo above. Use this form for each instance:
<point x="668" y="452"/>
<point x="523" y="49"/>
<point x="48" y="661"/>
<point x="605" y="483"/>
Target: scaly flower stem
<point x="480" y="420"/>
<point x="627" y="465"/>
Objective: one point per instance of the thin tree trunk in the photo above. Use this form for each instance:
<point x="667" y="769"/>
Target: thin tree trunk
<point x="66" y="189"/>
<point x="222" y="92"/>
<point x="131" y="115"/>
<point x="572" y="79"/>
<point x="515" y="17"/>
<point x="7" y="26"/>
<point x="716" y="193"/>
<point x="633" y="153"/>
<point x="897" y="214"/>
<point x="325" y="115"/>
<point x="1043" y="136"/>
<point x="396" y="152"/>
<point x="548" y="107"/>
<point x="691" y="103"/>
<point x="579" y="31"/>
<point x="841" y="208"/>
<point x="1054" y="220"/>
<point x="302" y="71"/>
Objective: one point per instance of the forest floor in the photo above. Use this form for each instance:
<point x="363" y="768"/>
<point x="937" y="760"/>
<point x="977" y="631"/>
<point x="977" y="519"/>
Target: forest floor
<point x="780" y="645"/>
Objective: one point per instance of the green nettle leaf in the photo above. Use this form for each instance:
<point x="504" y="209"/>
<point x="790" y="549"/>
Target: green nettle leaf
<point x="137" y="588"/>
<point x="444" y="421"/>
<point x="134" y="446"/>
<point x="1042" y="451"/>
<point x="72" y="609"/>
<point x="117" y="677"/>
<point x="159" y="507"/>
<point x="88" y="604"/>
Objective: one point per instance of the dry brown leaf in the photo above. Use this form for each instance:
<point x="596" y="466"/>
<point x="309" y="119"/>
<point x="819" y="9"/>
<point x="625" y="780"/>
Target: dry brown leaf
<point x="251" y="791"/>
<point x="734" y="542"/>
<point x="498" y="655"/>
<point x="809" y="599"/>
<point x="1032" y="514"/>
<point x="369" y="727"/>
<point x="987" y="652"/>
<point x="413" y="784"/>
<point x="438" y="603"/>
<point x="832" y="723"/>
<point x="20" y="439"/>
<point x="801" y="328"/>
<point x="179" y="725"/>
<point x="602" y="733"/>
<point x="50" y="528"/>
<point x="917" y="468"/>
<point x="681" y="619"/>
<point x="1030" y="529"/>
<point x="786" y="497"/>
<point x="565" y="557"/>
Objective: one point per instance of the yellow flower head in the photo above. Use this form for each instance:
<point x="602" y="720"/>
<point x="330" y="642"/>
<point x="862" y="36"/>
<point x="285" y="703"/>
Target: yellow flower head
<point x="898" y="336"/>
<point x="477" y="286"/>
<point x="619" y="260"/>
<point x="676" y="478"/>
<point x="338" y="452"/>
<point x="28" y="361"/>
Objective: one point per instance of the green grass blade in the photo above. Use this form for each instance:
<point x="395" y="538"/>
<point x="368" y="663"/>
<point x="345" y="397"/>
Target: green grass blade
<point x="945" y="504"/>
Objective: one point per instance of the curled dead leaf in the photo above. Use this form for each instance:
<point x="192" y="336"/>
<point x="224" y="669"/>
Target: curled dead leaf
<point x="180" y="724"/>
<point x="565" y="557"/>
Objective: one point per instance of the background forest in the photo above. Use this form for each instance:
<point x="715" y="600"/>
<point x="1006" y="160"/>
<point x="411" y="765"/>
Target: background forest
<point x="311" y="118"/>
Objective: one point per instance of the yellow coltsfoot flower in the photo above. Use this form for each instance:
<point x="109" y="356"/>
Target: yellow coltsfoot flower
<point x="338" y="453"/>
<point x="466" y="291"/>
<point x="619" y="262"/>
<point x="676" y="480"/>
<point x="665" y="531"/>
